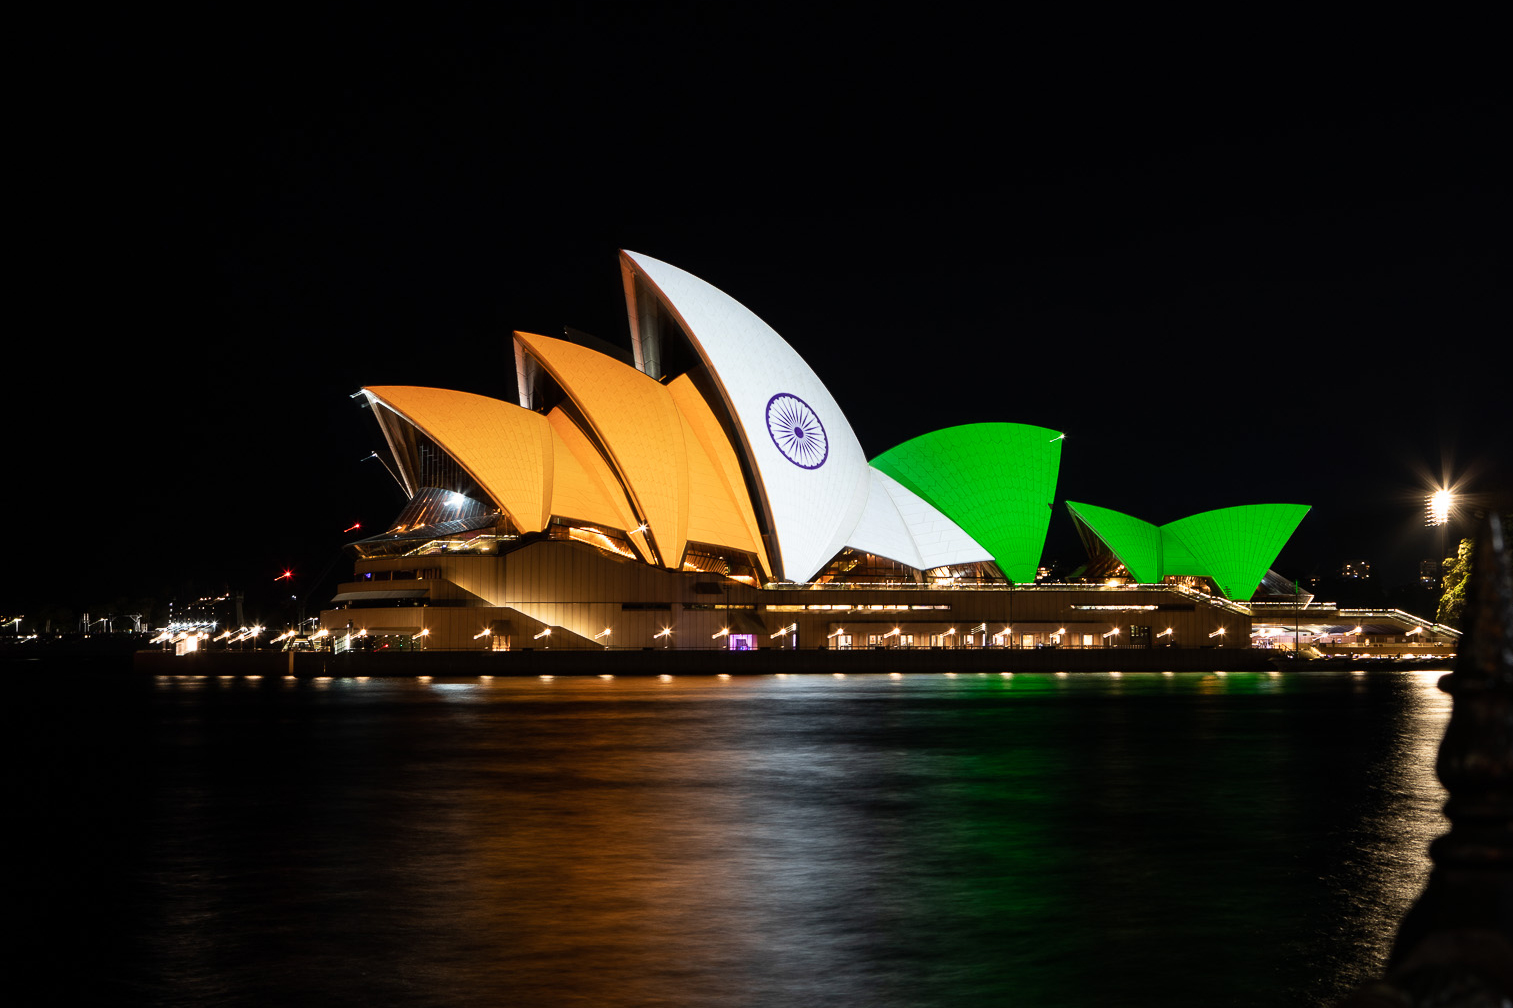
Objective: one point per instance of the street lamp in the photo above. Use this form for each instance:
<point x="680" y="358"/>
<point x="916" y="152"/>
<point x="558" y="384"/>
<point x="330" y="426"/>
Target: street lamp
<point x="1438" y="506"/>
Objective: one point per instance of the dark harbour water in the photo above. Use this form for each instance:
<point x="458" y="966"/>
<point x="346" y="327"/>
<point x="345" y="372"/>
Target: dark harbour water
<point x="929" y="840"/>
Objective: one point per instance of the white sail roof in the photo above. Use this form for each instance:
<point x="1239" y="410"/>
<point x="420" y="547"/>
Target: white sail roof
<point x="903" y="526"/>
<point x="814" y="476"/>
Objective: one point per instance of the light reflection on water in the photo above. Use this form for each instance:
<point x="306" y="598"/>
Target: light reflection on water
<point x="870" y="840"/>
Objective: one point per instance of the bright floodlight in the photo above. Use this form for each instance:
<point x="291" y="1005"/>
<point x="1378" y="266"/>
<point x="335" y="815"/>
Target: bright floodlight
<point x="1439" y="507"/>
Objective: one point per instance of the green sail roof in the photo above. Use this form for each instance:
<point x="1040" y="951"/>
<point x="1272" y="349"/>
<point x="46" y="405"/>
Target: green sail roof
<point x="1234" y="546"/>
<point x="1136" y="543"/>
<point x="995" y="480"/>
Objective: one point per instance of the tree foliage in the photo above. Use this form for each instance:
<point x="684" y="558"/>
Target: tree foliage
<point x="1452" y="604"/>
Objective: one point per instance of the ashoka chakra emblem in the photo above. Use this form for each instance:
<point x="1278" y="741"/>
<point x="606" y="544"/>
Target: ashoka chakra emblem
<point x="797" y="431"/>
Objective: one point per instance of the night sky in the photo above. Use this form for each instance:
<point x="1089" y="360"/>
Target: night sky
<point x="1270" y="272"/>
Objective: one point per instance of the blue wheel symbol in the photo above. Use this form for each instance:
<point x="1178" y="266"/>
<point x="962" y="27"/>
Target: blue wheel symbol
<point x="797" y="431"/>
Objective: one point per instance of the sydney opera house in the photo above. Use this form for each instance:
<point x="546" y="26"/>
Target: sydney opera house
<point x="704" y="490"/>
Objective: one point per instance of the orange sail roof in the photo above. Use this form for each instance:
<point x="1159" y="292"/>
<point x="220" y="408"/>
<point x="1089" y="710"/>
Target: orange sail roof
<point x="720" y="510"/>
<point x="507" y="450"/>
<point x="673" y="461"/>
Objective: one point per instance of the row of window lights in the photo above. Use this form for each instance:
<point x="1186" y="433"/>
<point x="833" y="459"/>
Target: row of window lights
<point x="998" y="637"/>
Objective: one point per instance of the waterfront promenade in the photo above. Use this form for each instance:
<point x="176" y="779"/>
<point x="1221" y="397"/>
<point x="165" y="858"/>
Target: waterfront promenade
<point x="705" y="662"/>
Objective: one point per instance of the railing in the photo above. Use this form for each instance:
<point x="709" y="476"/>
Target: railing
<point x="1331" y="608"/>
<point x="1216" y="600"/>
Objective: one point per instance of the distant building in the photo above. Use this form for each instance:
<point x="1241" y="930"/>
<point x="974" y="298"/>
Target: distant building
<point x="206" y="614"/>
<point x="1358" y="569"/>
<point x="1430" y="573"/>
<point x="706" y="490"/>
